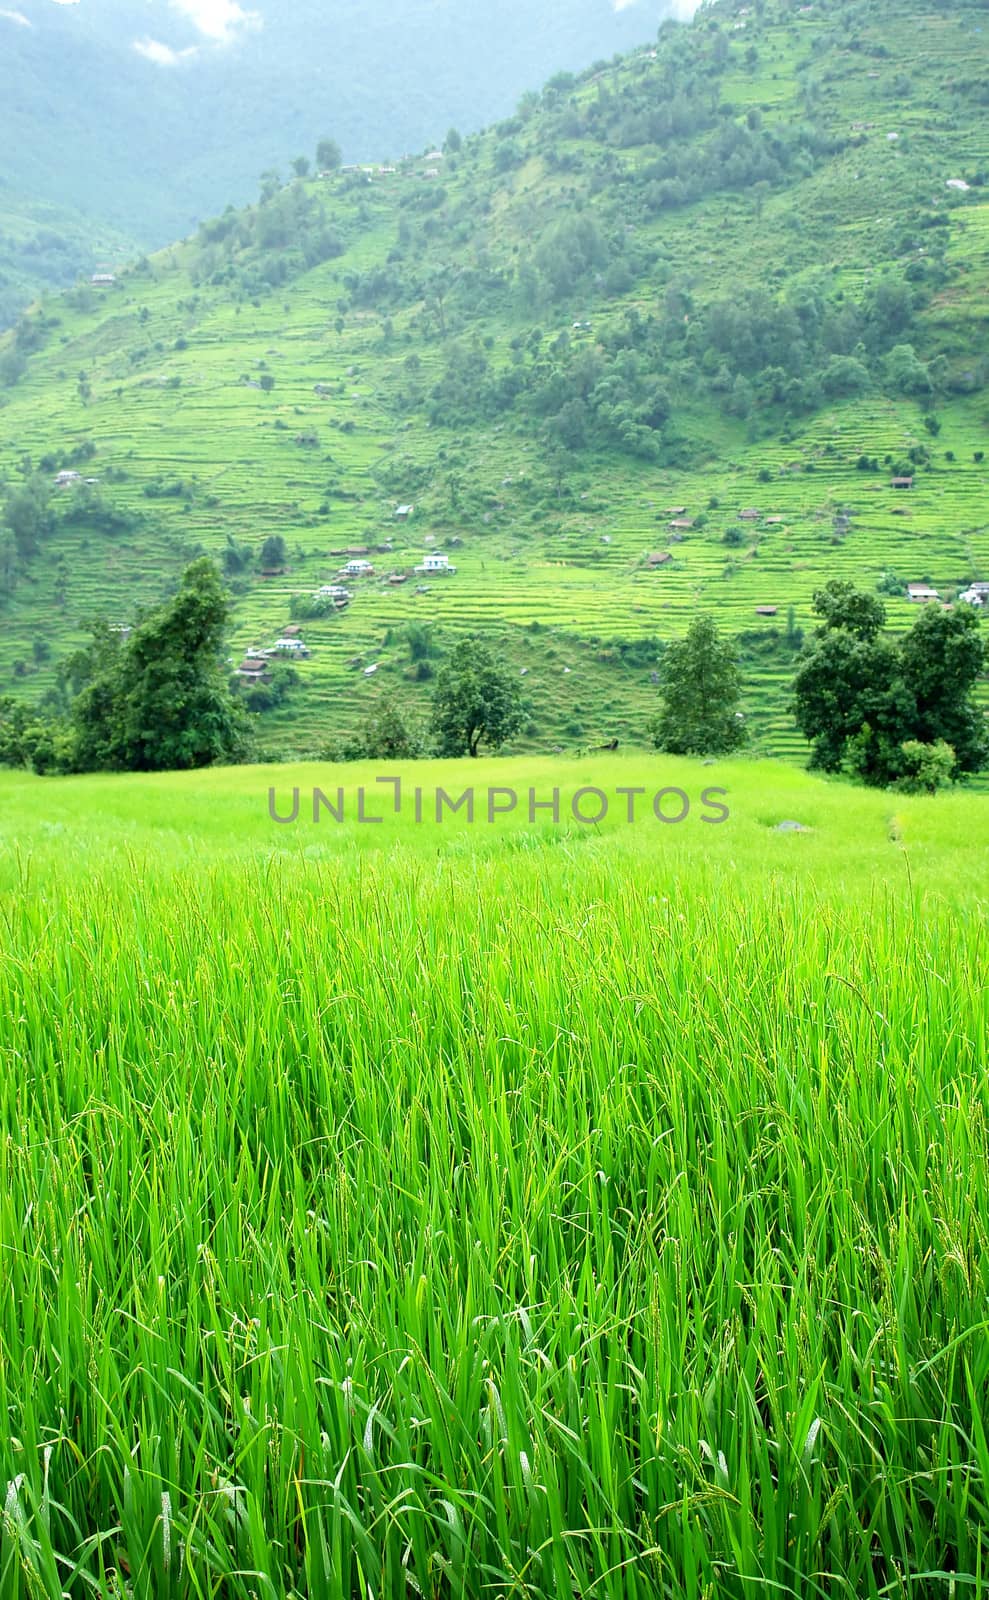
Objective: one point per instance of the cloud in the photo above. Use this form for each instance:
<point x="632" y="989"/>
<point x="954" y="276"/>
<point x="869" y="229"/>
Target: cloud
<point x="162" y="54"/>
<point x="218" y="20"/>
<point x="18" y="17"/>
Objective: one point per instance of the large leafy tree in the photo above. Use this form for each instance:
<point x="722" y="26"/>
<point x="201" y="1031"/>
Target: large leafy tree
<point x="476" y="701"/>
<point x="701" y="688"/>
<point x="860" y="697"/>
<point x="943" y="656"/>
<point x="161" y="701"/>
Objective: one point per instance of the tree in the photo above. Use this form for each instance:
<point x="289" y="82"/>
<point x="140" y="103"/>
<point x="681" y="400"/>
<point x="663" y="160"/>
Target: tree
<point x="942" y="659"/>
<point x="476" y="701"/>
<point x="160" y="701"/>
<point x="701" y="687"/>
<point x="28" y="515"/>
<point x="861" y="699"/>
<point x="390" y="734"/>
<point x="843" y="606"/>
<point x="844" y="685"/>
<point x="272" y="552"/>
<point x="328" y="156"/>
<point x="453" y="143"/>
<point x="300" y="166"/>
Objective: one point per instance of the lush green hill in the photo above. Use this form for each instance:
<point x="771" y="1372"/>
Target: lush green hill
<point x="141" y="121"/>
<point x="728" y="274"/>
<point x="583" y="1212"/>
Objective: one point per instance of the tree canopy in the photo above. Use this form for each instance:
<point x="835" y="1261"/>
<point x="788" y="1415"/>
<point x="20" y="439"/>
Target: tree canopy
<point x="476" y="701"/>
<point x="160" y="700"/>
<point x="861" y="698"/>
<point x="701" y="688"/>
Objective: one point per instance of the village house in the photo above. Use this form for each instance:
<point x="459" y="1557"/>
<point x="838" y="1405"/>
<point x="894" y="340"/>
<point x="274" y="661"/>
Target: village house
<point x="682" y="524"/>
<point x="64" y="480"/>
<point x="921" y="593"/>
<point x="102" y="280"/>
<point x="254" y="669"/>
<point x="750" y="514"/>
<point x="766" y="611"/>
<point x="403" y="513"/>
<point x="901" y="483"/>
<point x="977" y="594"/>
<point x="357" y="569"/>
<point x="435" y="561"/>
<point x="335" y="592"/>
<point x="658" y="558"/>
<point x="290" y="647"/>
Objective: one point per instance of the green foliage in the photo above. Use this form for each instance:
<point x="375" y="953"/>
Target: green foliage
<point x="28" y="515"/>
<point x="160" y="701"/>
<point x="391" y="733"/>
<point x="861" y="698"/>
<point x="926" y="767"/>
<point x="273" y="552"/>
<point x="700" y="686"/>
<point x="475" y="701"/>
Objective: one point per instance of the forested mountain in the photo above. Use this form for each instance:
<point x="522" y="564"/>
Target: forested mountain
<point x="134" y="123"/>
<point x="697" y="329"/>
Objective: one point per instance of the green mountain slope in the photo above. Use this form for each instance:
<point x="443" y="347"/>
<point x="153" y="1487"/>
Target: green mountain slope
<point x="146" y="119"/>
<point x="737" y="273"/>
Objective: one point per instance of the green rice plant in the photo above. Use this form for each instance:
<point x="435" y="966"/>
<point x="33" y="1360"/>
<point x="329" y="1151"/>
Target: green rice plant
<point x="447" y="1219"/>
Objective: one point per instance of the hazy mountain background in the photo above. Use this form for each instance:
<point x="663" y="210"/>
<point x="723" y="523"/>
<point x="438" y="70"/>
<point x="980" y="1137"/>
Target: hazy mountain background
<point x="125" y="122"/>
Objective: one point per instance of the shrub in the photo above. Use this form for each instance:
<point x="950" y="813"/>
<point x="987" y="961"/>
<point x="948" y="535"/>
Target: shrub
<point x="927" y="767"/>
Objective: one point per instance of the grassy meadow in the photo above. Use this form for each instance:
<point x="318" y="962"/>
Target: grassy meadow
<point x="527" y="1209"/>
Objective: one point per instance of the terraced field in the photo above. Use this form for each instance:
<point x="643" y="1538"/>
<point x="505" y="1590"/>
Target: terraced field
<point x="554" y="567"/>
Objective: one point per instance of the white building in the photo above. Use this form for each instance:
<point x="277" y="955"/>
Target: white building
<point x="357" y="569"/>
<point x="435" y="561"/>
<point x="921" y="592"/>
<point x="290" y="647"/>
<point x="976" y="595"/>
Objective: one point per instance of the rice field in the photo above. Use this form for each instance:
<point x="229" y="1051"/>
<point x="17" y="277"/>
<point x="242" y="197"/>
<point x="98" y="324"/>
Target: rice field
<point x="520" y="1209"/>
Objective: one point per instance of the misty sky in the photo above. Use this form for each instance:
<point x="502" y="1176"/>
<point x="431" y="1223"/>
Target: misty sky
<point x="170" y="32"/>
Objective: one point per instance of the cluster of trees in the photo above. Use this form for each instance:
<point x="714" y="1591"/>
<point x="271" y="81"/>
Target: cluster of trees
<point x="790" y="352"/>
<point x="892" y="713"/>
<point x="260" y="248"/>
